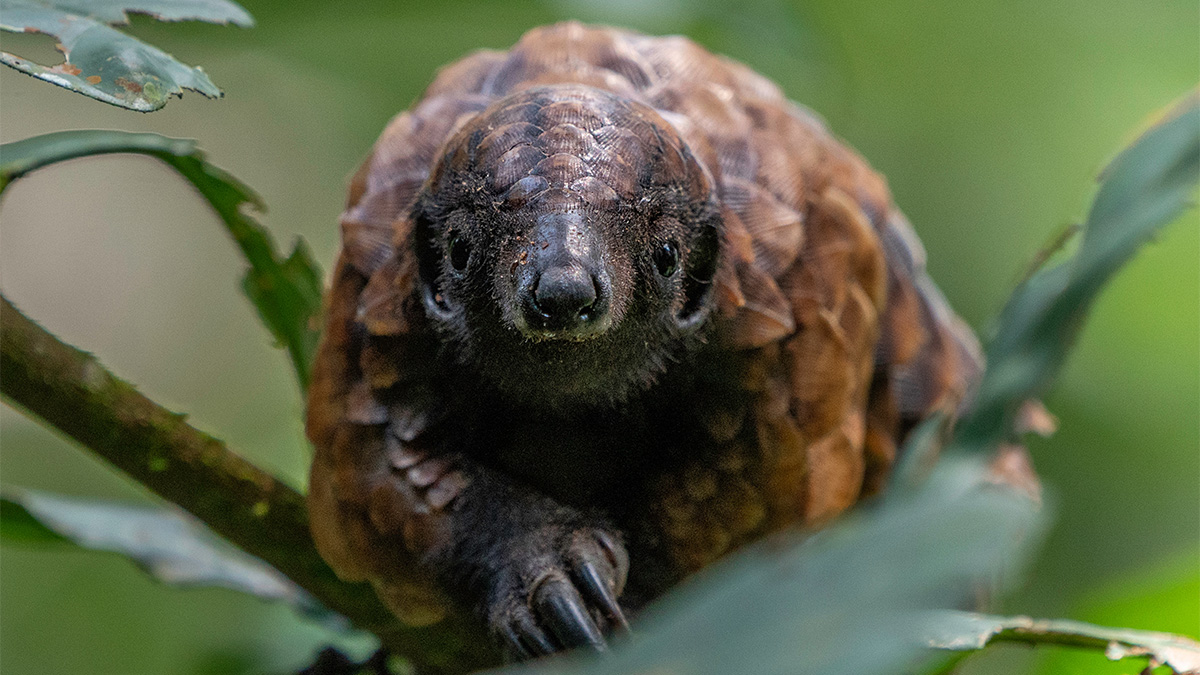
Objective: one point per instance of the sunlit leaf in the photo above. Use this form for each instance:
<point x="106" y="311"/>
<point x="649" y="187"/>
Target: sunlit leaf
<point x="104" y="63"/>
<point x="171" y="546"/>
<point x="286" y="292"/>
<point x="966" y="631"/>
<point x="1144" y="188"/>
<point x="845" y="600"/>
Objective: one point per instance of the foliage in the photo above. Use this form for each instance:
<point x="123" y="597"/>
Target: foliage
<point x="104" y="63"/>
<point x="963" y="631"/>
<point x="847" y="599"/>
<point x="1162" y="597"/>
<point x="1144" y="188"/>
<point x="286" y="292"/>
<point x="171" y="546"/>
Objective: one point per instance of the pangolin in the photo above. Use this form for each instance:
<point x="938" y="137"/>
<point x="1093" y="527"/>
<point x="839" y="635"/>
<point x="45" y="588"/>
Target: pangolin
<point x="608" y="307"/>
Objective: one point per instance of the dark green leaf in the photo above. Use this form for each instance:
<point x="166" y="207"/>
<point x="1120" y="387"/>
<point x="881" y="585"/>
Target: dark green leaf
<point x="285" y="292"/>
<point x="171" y="546"/>
<point x="1144" y="188"/>
<point x="845" y="600"/>
<point x="104" y="63"/>
<point x="966" y="631"/>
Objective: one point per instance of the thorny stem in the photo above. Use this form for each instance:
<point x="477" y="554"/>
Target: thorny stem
<point x="71" y="391"/>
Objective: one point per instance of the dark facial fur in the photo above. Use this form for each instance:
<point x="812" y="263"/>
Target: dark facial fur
<point x="567" y="242"/>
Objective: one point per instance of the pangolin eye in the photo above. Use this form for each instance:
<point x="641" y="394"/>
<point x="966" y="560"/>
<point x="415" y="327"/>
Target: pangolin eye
<point x="666" y="258"/>
<point x="460" y="252"/>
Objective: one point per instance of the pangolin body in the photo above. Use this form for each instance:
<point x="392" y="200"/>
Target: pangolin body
<point x="608" y="306"/>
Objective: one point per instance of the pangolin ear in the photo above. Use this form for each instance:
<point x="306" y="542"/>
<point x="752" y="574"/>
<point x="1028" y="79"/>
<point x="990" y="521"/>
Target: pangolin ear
<point x="427" y="249"/>
<point x="386" y="304"/>
<point x="423" y="243"/>
<point x="703" y="258"/>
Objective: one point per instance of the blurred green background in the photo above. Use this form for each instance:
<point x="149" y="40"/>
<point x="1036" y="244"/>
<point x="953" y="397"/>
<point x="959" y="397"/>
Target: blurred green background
<point x="990" y="120"/>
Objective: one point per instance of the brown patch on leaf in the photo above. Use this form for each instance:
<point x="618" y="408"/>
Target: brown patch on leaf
<point x="129" y="85"/>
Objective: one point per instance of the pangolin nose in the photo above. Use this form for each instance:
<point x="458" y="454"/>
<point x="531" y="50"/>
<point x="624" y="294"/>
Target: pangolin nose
<point x="566" y="298"/>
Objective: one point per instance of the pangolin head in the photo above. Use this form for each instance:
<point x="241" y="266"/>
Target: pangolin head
<point x="567" y="240"/>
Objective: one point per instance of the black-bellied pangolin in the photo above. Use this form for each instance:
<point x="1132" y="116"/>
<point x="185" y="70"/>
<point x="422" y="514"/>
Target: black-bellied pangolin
<point x="608" y="306"/>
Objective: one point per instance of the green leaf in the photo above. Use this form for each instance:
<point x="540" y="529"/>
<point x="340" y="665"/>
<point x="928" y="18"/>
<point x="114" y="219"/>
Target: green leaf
<point x="845" y="600"/>
<point x="966" y="631"/>
<point x="171" y="546"/>
<point x="290" y="311"/>
<point x="104" y="63"/>
<point x="285" y="292"/>
<point x="1144" y="188"/>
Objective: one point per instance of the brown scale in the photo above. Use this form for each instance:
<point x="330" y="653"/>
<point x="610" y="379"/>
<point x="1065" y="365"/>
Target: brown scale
<point x="841" y="341"/>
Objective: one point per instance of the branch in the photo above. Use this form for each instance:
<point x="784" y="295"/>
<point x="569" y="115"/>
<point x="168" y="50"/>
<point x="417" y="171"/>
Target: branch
<point x="72" y="392"/>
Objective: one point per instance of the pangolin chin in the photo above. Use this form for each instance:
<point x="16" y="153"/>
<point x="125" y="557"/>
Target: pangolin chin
<point x="608" y="307"/>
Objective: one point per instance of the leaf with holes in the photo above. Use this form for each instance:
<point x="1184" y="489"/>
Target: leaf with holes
<point x="104" y="63"/>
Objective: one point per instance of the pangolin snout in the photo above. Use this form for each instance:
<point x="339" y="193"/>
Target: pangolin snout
<point x="562" y="288"/>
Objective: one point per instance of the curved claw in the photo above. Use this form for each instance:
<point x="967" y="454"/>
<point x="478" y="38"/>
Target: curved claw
<point x="563" y="610"/>
<point x="618" y="557"/>
<point x="524" y="639"/>
<point x="513" y="641"/>
<point x="600" y="591"/>
<point x="534" y="637"/>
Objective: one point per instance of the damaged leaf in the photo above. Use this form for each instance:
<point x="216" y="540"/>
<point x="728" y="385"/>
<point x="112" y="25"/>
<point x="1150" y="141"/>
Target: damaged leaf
<point x="967" y="631"/>
<point x="104" y="63"/>
<point x="170" y="545"/>
<point x="286" y="292"/>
